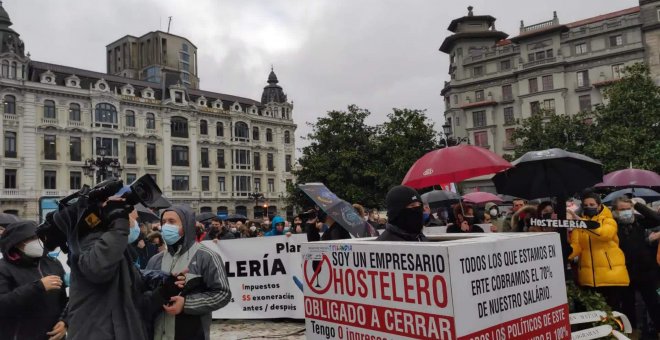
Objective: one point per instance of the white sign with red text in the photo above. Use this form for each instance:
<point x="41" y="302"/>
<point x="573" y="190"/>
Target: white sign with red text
<point x="470" y="286"/>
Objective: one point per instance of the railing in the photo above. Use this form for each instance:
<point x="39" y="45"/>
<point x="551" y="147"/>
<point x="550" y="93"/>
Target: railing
<point x="539" y="26"/>
<point x="181" y="194"/>
<point x="12" y="193"/>
<point x="75" y="123"/>
<point x="207" y="194"/>
<point x="49" y="121"/>
<point x="539" y="62"/>
<point x="51" y="193"/>
<point x="11" y="116"/>
<point x="151" y="131"/>
<point x="130" y="129"/>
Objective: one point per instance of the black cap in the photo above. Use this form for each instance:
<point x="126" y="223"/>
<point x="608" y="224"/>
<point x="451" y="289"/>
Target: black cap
<point x="398" y="198"/>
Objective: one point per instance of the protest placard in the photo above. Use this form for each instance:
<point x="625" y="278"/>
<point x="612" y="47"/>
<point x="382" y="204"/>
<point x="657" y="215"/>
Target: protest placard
<point x="467" y="286"/>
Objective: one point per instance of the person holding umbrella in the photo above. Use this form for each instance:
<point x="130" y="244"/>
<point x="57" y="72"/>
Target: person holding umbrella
<point x="602" y="265"/>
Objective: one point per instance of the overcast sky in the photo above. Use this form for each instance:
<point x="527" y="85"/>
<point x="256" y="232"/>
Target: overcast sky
<point x="327" y="54"/>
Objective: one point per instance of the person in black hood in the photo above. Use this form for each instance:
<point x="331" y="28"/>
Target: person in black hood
<point x="32" y="296"/>
<point x="188" y="316"/>
<point x="405" y="215"/>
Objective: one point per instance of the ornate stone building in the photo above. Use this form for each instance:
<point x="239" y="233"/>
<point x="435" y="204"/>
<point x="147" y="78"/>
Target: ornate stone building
<point x="210" y="150"/>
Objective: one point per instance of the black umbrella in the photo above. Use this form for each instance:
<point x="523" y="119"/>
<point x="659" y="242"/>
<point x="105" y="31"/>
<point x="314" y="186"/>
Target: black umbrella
<point x="205" y="216"/>
<point x="145" y="215"/>
<point x="161" y="203"/>
<point x="6" y="219"/>
<point x="439" y="198"/>
<point x="236" y="217"/>
<point x="647" y="194"/>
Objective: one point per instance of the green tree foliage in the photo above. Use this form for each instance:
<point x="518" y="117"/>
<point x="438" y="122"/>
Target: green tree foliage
<point x="546" y="131"/>
<point x="359" y="162"/>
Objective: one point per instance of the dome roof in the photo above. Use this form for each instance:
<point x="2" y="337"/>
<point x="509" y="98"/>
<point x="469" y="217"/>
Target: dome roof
<point x="272" y="91"/>
<point x="9" y="39"/>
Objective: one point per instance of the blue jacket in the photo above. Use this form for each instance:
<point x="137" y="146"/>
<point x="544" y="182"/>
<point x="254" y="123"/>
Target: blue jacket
<point x="273" y="229"/>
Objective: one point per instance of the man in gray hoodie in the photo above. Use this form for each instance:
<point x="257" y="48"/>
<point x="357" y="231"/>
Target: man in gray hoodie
<point x="188" y="315"/>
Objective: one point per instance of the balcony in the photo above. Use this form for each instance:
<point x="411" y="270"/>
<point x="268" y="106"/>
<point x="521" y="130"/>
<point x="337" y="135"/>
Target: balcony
<point x="151" y="131"/>
<point x="181" y="194"/>
<point x="51" y="193"/>
<point x="13" y="193"/>
<point x="539" y="62"/>
<point x="208" y="194"/>
<point x="130" y="129"/>
<point x="50" y="121"/>
<point x="75" y="123"/>
<point x="11" y="117"/>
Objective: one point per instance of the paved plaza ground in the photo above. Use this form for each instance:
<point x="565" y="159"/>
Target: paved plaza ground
<point x="258" y="329"/>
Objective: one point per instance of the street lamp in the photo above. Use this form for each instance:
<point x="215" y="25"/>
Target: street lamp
<point x="102" y="167"/>
<point x="256" y="196"/>
<point x="451" y="141"/>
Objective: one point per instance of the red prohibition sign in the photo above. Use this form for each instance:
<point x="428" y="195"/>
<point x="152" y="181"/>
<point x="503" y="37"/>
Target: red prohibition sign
<point x="310" y="281"/>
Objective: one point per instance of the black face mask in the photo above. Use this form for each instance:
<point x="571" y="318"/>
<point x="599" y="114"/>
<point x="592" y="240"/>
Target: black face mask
<point x="590" y="212"/>
<point x="411" y="220"/>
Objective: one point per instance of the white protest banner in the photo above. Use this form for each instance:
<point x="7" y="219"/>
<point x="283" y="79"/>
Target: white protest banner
<point x="468" y="286"/>
<point x="264" y="275"/>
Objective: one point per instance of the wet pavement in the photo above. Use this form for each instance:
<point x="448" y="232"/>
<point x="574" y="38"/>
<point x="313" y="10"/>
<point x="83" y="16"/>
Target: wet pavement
<point x="287" y="329"/>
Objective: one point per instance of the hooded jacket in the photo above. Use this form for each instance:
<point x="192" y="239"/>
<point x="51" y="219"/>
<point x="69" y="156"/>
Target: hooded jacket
<point x="203" y="263"/>
<point x="273" y="229"/>
<point x="27" y="310"/>
<point x="632" y="240"/>
<point x="601" y="262"/>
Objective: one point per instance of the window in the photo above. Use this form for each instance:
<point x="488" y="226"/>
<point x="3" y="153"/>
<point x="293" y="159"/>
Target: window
<point x="242" y="184"/>
<point x="5" y="68"/>
<point x="585" y="103"/>
<point x="505" y="65"/>
<point x="205" y="158"/>
<point x="107" y="147"/>
<point x="131" y="157"/>
<point x="617" y="71"/>
<point x="549" y="106"/>
<point x="131" y="177"/>
<point x="479" y="96"/>
<point x="241" y="132"/>
<point x="271" y="185"/>
<point x="530" y="57"/>
<point x="455" y="99"/>
<point x="10" y="144"/>
<point x="180" y="183"/>
<point x="154" y="177"/>
<point x="205" y="183"/>
<point x="508" y="141"/>
<point x="220" y="154"/>
<point x="75" y="180"/>
<point x="287" y="137"/>
<point x="581" y="48"/>
<point x="549" y="53"/>
<point x="179" y="155"/>
<point x="535" y="108"/>
<point x="507" y="93"/>
<point x="479" y="118"/>
<point x="50" y="147"/>
<point x="203" y="128"/>
<point x="257" y="184"/>
<point x="269" y="162"/>
<point x="151" y="121"/>
<point x="49" y="109"/>
<point x="179" y="127"/>
<point x="547" y="83"/>
<point x="241" y="159"/>
<point x="10" y="104"/>
<point x="481" y="139"/>
<point x="540" y="55"/>
<point x="105" y="115"/>
<point x="74" y="112"/>
<point x="508" y="116"/>
<point x="50" y="180"/>
<point x="219" y="129"/>
<point x="478" y="71"/>
<point x="583" y="79"/>
<point x="178" y="97"/>
<point x="75" y="149"/>
<point x="269" y="135"/>
<point x="130" y="118"/>
<point x="221" y="184"/>
<point x="533" y="85"/>
<point x="10" y="179"/>
<point x="287" y="163"/>
<point x="12" y="75"/>
<point x="257" y="161"/>
<point x="151" y="154"/>
<point x="616" y="40"/>
<point x="255" y="133"/>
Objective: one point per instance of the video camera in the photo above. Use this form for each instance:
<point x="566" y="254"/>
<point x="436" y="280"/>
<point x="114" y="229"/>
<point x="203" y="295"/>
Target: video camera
<point x="81" y="211"/>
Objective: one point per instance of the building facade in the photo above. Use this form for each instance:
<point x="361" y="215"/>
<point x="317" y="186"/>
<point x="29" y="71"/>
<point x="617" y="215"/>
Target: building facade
<point x="209" y="150"/>
<point x="548" y="68"/>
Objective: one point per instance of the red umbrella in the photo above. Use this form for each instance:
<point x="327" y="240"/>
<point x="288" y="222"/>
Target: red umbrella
<point x="452" y="165"/>
<point x="480" y="197"/>
<point x="630" y="178"/>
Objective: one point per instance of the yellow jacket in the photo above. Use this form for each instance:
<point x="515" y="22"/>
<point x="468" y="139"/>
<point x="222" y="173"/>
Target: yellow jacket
<point x="601" y="261"/>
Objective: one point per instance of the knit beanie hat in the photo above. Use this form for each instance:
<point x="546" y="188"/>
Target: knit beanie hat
<point x="398" y="198"/>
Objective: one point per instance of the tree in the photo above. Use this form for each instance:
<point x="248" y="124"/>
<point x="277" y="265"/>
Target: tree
<point x="548" y="130"/>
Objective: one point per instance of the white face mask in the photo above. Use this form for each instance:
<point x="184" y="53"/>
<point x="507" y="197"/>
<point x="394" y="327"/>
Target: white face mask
<point x="493" y="212"/>
<point x="233" y="229"/>
<point x="253" y="228"/>
<point x="34" y="249"/>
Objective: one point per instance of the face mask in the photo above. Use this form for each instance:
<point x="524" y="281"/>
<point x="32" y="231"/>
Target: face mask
<point x="286" y="230"/>
<point x="54" y="254"/>
<point x="253" y="228"/>
<point x="411" y="220"/>
<point x="170" y="234"/>
<point x="33" y="249"/>
<point x="626" y="216"/>
<point x="133" y="232"/>
<point x="493" y="212"/>
<point x="590" y="212"/>
<point x="546" y="216"/>
<point x="233" y="230"/>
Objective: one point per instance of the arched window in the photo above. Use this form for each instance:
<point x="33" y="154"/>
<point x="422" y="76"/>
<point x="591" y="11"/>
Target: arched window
<point x="12" y="72"/>
<point x="74" y="112"/>
<point x="269" y="135"/>
<point x="105" y="114"/>
<point x="219" y="129"/>
<point x="222" y="211"/>
<point x="10" y="104"/>
<point x="255" y="133"/>
<point x="5" y="68"/>
<point x="205" y="209"/>
<point x="151" y="121"/>
<point x="287" y="137"/>
<point x="241" y="131"/>
<point x="241" y="210"/>
<point x="49" y="109"/>
<point x="130" y="118"/>
<point x="203" y="127"/>
<point x="179" y="127"/>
